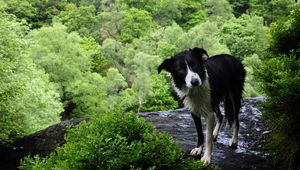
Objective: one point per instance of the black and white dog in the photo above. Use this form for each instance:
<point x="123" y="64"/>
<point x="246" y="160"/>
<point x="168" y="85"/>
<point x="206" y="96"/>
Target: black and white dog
<point x="202" y="83"/>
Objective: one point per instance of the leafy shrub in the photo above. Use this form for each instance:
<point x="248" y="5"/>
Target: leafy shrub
<point x="280" y="76"/>
<point x="251" y="86"/>
<point x="160" y="98"/>
<point x="114" y="141"/>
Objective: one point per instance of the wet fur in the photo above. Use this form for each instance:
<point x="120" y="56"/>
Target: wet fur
<point x="222" y="78"/>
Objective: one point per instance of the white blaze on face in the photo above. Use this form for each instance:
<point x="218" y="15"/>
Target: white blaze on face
<point x="191" y="76"/>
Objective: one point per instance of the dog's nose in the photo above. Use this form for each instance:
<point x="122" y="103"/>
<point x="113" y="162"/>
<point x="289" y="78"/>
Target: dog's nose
<point x="195" y="82"/>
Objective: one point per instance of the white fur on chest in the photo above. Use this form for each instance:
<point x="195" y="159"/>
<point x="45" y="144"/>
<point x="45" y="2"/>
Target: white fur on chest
<point x="196" y="99"/>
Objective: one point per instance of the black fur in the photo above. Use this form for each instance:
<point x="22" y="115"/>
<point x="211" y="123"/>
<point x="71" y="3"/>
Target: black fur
<point x="226" y="76"/>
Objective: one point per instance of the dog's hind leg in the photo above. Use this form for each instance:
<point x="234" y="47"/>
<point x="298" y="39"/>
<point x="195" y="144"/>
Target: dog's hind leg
<point x="236" y="105"/>
<point x="218" y="124"/>
<point x="197" y="151"/>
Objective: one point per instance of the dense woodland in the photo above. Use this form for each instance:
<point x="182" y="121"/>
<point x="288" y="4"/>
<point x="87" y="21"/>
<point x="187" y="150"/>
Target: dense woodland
<point x="63" y="58"/>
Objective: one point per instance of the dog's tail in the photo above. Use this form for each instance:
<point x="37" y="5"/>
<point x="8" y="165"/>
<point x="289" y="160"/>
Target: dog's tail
<point x="229" y="109"/>
<point x="232" y="105"/>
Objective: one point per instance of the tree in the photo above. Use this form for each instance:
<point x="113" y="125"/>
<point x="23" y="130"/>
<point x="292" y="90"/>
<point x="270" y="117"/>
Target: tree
<point x="239" y="6"/>
<point x="167" y="11"/>
<point x="192" y="14"/>
<point x="245" y="35"/>
<point x="161" y="96"/>
<point x="144" y="64"/>
<point x="136" y="23"/>
<point x="271" y="10"/>
<point x="22" y="9"/>
<point x="95" y="3"/>
<point x="172" y="34"/>
<point x="28" y="101"/>
<point x="163" y="12"/>
<point x="252" y="86"/>
<point x="109" y="23"/>
<point x="80" y="19"/>
<point x="111" y="52"/>
<point x="99" y="63"/>
<point x="280" y="77"/>
<point x="165" y="50"/>
<point x="87" y="95"/>
<point x="120" y="97"/>
<point x="205" y="35"/>
<point x="68" y="63"/>
<point x="218" y="11"/>
<point x="59" y="54"/>
<point x="45" y="11"/>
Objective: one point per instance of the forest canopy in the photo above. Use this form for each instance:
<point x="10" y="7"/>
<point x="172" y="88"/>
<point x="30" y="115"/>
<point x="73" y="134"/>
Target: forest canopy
<point x="63" y="58"/>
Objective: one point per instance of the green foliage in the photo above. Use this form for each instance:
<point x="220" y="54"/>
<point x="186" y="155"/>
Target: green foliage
<point x="245" y="35"/>
<point x="114" y="141"/>
<point x="239" y="6"/>
<point x="68" y="59"/>
<point x="111" y="52"/>
<point x="165" y="50"/>
<point x="22" y="9"/>
<point x="135" y="24"/>
<point x="28" y="101"/>
<point x="218" y="11"/>
<point x="192" y="14"/>
<point x="205" y="36"/>
<point x="163" y="12"/>
<point x="96" y="3"/>
<point x="161" y="97"/>
<point x="167" y="11"/>
<point x="280" y="76"/>
<point x="142" y="82"/>
<point x="286" y="34"/>
<point x="271" y="10"/>
<point x="109" y="22"/>
<point x="59" y="54"/>
<point x="251" y="86"/>
<point x="99" y="63"/>
<point x="81" y="19"/>
<point x="104" y="58"/>
<point x="46" y="10"/>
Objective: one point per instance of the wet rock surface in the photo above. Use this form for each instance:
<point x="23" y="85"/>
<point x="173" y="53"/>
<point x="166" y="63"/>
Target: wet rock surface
<point x="248" y="156"/>
<point x="42" y="142"/>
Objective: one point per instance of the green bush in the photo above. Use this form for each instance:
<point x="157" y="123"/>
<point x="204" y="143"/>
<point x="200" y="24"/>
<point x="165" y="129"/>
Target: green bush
<point x="280" y="76"/>
<point x="160" y="98"/>
<point x="252" y="86"/>
<point x="114" y="141"/>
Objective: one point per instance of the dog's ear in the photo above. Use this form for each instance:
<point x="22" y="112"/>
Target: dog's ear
<point x="199" y="52"/>
<point x="165" y="65"/>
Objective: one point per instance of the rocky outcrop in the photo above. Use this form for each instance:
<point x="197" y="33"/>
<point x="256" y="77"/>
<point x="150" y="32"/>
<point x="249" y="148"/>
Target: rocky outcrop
<point x="248" y="156"/>
<point x="42" y="143"/>
<point x="179" y="124"/>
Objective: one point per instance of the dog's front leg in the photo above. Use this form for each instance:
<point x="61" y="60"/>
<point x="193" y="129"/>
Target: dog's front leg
<point x="209" y="138"/>
<point x="197" y="151"/>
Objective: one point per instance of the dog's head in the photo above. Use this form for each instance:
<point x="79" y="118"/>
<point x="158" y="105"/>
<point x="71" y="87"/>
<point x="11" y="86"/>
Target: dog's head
<point x="187" y="68"/>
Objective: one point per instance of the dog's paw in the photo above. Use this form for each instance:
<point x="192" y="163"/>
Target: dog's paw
<point x="196" y="151"/>
<point x="233" y="144"/>
<point x="206" y="159"/>
<point x="215" y="136"/>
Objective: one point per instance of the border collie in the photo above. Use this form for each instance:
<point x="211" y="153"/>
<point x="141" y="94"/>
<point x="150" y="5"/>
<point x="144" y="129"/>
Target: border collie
<point x="202" y="83"/>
